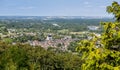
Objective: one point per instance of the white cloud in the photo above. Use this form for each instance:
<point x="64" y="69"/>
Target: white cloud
<point x="26" y="8"/>
<point x="86" y="3"/>
<point x="102" y="6"/>
<point x="89" y="6"/>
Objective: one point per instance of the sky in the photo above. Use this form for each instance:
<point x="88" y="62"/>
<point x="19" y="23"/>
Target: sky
<point x="55" y="7"/>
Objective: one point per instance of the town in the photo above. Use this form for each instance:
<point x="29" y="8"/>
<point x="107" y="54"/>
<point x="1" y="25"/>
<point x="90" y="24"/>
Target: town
<point x="48" y="33"/>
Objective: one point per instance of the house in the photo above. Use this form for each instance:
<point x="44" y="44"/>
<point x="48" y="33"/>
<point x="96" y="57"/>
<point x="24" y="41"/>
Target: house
<point x="93" y="28"/>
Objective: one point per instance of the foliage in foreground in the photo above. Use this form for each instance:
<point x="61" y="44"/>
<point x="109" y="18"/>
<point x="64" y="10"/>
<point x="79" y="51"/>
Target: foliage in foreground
<point x="25" y="57"/>
<point x="103" y="53"/>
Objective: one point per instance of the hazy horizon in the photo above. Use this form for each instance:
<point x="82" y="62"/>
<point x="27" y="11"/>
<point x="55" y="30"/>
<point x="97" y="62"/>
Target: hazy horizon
<point x="87" y="8"/>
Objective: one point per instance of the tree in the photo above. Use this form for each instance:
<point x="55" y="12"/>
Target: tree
<point x="102" y="53"/>
<point x="72" y="46"/>
<point x="115" y="10"/>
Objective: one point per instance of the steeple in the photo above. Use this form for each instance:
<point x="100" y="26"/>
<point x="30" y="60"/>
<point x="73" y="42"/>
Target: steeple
<point x="49" y="37"/>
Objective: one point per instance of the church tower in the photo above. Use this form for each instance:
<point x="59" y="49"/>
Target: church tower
<point x="49" y="37"/>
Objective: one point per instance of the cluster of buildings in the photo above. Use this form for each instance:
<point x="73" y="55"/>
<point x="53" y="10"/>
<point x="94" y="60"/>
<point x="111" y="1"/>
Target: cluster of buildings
<point x="49" y="42"/>
<point x="62" y="43"/>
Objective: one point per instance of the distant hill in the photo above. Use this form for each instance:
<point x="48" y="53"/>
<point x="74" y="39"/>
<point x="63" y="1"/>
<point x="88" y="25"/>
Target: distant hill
<point x="53" y="17"/>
